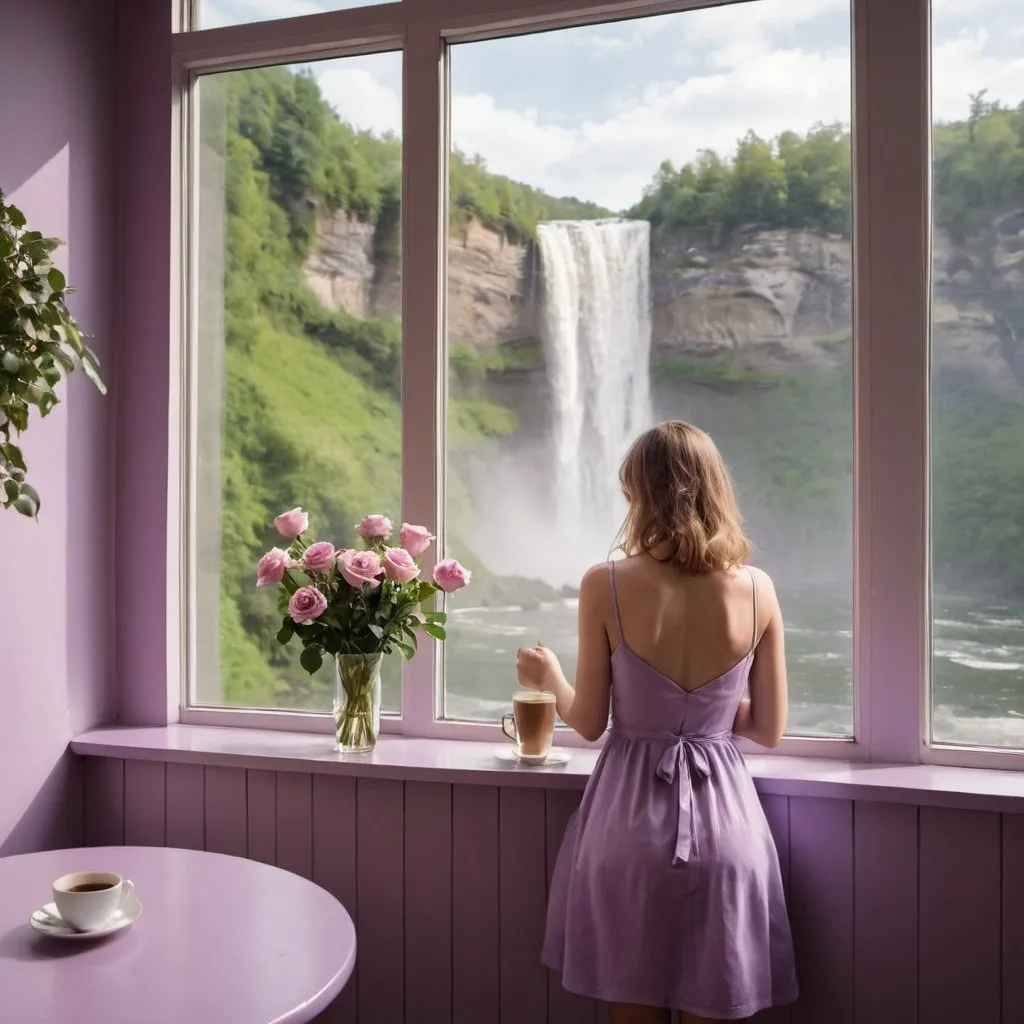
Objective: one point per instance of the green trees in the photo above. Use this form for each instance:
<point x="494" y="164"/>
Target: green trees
<point x="803" y="181"/>
<point x="798" y="181"/>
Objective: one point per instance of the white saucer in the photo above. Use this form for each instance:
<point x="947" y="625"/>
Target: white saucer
<point x="47" y="921"/>
<point x="554" y="757"/>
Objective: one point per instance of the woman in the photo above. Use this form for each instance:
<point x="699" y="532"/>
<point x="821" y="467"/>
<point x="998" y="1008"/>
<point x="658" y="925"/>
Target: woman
<point x="667" y="892"/>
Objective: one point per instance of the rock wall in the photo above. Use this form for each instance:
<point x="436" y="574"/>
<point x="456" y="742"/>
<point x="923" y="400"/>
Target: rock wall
<point x="768" y="300"/>
<point x="491" y="281"/>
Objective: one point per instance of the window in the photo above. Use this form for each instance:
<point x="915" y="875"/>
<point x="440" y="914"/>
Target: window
<point x="647" y="218"/>
<point x="653" y="223"/>
<point x="977" y="446"/>
<point x="298" y="347"/>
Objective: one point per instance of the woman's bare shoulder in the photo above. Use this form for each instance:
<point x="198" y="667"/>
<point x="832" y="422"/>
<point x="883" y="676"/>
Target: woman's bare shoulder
<point x="765" y="587"/>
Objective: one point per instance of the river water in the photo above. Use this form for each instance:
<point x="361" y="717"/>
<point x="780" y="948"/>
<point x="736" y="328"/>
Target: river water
<point x="978" y="658"/>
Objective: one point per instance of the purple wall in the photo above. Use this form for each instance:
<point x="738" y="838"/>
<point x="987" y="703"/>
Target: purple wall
<point x="900" y="913"/>
<point x="56" y="135"/>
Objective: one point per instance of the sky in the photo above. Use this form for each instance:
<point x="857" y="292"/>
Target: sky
<point x="592" y="112"/>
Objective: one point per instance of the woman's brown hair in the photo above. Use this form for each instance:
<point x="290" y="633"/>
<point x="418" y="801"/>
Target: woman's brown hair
<point x="682" y="506"/>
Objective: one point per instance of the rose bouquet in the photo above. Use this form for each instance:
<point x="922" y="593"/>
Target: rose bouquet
<point x="355" y="606"/>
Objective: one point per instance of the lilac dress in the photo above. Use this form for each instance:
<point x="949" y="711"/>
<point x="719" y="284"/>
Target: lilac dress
<point x="667" y="889"/>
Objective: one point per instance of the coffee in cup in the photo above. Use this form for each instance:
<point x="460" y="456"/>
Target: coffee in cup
<point x="531" y="726"/>
<point x="88" y="900"/>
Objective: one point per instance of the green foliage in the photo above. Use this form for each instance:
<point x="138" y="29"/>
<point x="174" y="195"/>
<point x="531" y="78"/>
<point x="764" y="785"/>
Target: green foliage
<point x="793" y="181"/>
<point x="804" y="181"/>
<point x="979" y="167"/>
<point x="504" y="205"/>
<point x="39" y="343"/>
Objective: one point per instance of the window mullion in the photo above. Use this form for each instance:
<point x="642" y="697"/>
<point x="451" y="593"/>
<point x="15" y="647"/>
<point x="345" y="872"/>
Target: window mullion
<point x="422" y="379"/>
<point x="891" y="136"/>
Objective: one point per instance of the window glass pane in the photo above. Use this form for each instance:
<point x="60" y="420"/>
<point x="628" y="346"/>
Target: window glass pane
<point x="217" y="13"/>
<point x="700" y="270"/>
<point x="298" y="348"/>
<point x="978" y="374"/>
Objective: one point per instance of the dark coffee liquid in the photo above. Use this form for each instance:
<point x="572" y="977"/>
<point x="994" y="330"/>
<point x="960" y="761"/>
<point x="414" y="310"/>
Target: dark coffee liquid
<point x="91" y="887"/>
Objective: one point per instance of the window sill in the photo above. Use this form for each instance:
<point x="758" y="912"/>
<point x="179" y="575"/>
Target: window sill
<point x="462" y="761"/>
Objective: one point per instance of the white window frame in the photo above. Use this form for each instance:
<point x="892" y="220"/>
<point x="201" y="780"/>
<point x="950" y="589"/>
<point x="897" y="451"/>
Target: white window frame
<point x="891" y="131"/>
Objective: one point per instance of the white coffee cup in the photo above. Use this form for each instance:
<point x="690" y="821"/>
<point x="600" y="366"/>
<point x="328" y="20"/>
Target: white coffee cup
<point x="87" y="900"/>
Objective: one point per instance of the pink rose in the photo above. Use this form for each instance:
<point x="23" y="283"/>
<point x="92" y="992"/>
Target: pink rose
<point x="399" y="566"/>
<point x="307" y="604"/>
<point x="271" y="567"/>
<point x="415" y="539"/>
<point x="450" y="576"/>
<point x="359" y="567"/>
<point x="375" y="527"/>
<point x="293" y="523"/>
<point x="319" y="557"/>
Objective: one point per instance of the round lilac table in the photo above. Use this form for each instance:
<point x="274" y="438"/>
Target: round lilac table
<point x="221" y="940"/>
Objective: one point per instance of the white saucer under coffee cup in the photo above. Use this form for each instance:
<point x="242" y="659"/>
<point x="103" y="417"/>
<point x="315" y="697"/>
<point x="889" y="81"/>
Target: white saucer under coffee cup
<point x="88" y="900"/>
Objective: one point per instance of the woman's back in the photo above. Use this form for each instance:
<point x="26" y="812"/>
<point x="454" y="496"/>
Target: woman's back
<point x="691" y="629"/>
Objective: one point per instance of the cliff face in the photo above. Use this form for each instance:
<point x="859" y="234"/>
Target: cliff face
<point x="768" y="300"/>
<point x="490" y="280"/>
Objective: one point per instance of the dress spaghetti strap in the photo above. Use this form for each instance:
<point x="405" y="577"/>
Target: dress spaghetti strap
<point x="753" y="583"/>
<point x="615" y="602"/>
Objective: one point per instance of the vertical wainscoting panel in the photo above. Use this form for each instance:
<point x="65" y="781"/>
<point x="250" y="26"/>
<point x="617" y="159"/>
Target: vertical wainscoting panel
<point x="428" y="902"/>
<point x="380" y="893"/>
<point x="475" y="906"/>
<point x="959" y="965"/>
<point x="104" y="801"/>
<point x="776" y="810"/>
<point x="522" y="870"/>
<point x="1013" y="918"/>
<point x="295" y="823"/>
<point x="885" y="914"/>
<point x="261" y="815"/>
<point x="225" y="810"/>
<point x="334" y="867"/>
<point x="821" y="907"/>
<point x="144" y="803"/>
<point x="185" y="800"/>
<point x="563" y="1007"/>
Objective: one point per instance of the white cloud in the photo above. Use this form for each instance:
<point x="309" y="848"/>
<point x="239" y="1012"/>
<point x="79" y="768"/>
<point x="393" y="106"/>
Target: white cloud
<point x="361" y="98"/>
<point x="610" y="153"/>
<point x="962" y="65"/>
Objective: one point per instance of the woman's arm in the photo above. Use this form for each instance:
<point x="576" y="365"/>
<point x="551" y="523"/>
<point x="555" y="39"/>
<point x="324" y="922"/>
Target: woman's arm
<point x="585" y="707"/>
<point x="762" y="717"/>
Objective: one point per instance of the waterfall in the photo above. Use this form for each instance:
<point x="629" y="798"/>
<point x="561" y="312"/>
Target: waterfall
<point x="596" y="332"/>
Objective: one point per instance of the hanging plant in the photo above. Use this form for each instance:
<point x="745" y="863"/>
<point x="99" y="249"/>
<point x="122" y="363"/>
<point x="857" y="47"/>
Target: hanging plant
<point x="39" y="343"/>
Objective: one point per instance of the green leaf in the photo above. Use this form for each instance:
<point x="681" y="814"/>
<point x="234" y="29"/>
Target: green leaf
<point x="12" y="490"/>
<point x="12" y="453"/>
<point x="26" y="506"/>
<point x="311" y="659"/>
<point x="32" y="493"/>
<point x="11" y="363"/>
<point x="376" y="630"/>
<point x="91" y="366"/>
<point x="437" y="632"/>
<point x="15" y="216"/>
<point x="286" y="632"/>
<point x="56" y="279"/>
<point x="407" y="650"/>
<point x="439" y="617"/>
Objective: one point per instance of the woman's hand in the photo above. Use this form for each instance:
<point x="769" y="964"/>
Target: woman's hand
<point x="537" y="668"/>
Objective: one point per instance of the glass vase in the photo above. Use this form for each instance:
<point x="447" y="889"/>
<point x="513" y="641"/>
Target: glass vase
<point x="357" y="702"/>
